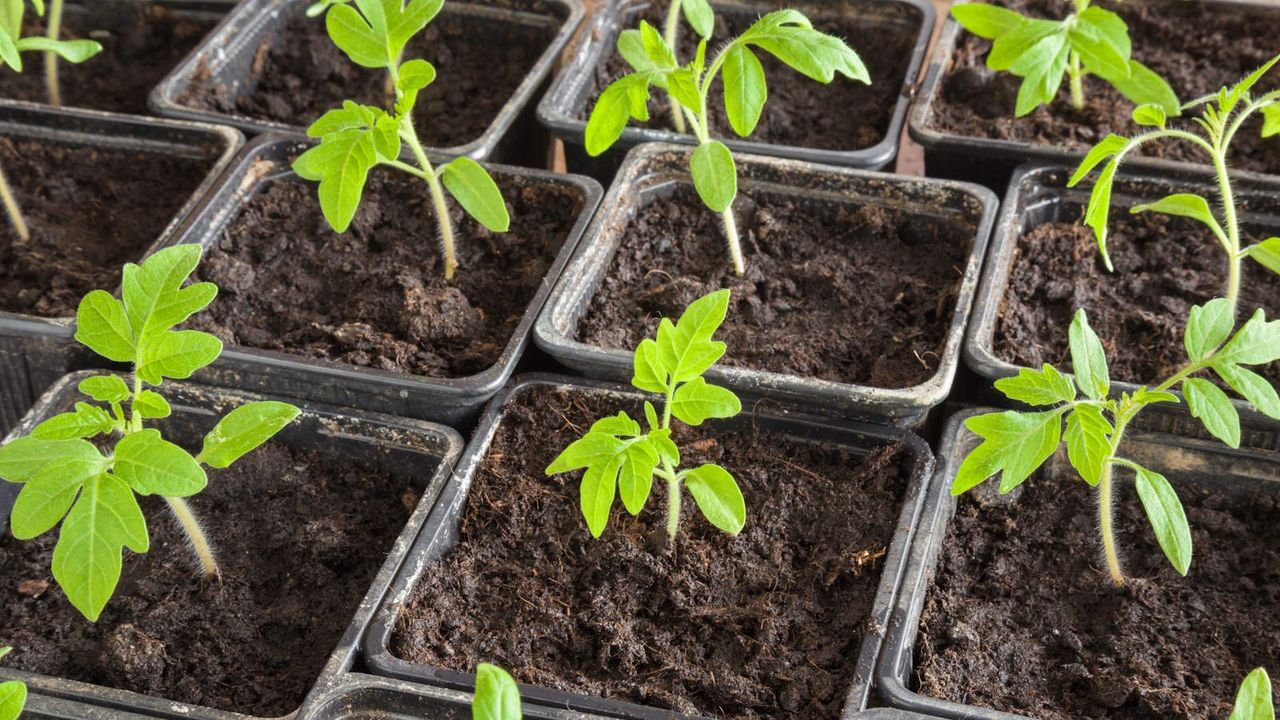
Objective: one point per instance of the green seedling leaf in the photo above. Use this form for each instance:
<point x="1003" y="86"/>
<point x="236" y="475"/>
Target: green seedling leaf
<point x="1014" y="445"/>
<point x="1041" y="67"/>
<point x="1184" y="205"/>
<point x="409" y="21"/>
<point x="105" y="388"/>
<point x="987" y="21"/>
<point x="356" y="37"/>
<point x="1208" y="326"/>
<point x="1088" y="358"/>
<point x="649" y="374"/>
<point x="683" y="88"/>
<point x="154" y="296"/>
<point x="1088" y="442"/>
<point x="45" y="499"/>
<point x="624" y="99"/>
<point x="243" y="430"/>
<point x="790" y="37"/>
<point x="1257" y="343"/>
<point x="477" y="193"/>
<point x="1242" y="88"/>
<point x="1038" y="387"/>
<point x="75" y="51"/>
<point x="1142" y="86"/>
<point x="23" y="458"/>
<point x="151" y="405"/>
<point x="1212" y="406"/>
<point x="415" y="76"/>
<point x="1253" y="701"/>
<point x="1099" y="210"/>
<point x="1102" y="39"/>
<point x="656" y="50"/>
<point x="1270" y="121"/>
<point x="85" y="422"/>
<point x="1108" y="148"/>
<point x="151" y="465"/>
<point x="1167" y="517"/>
<point x="697" y="401"/>
<point x="497" y="697"/>
<point x="1150" y="115"/>
<point x="745" y="91"/>
<point x="714" y="175"/>
<point x="13" y="698"/>
<point x="177" y="355"/>
<point x="87" y="559"/>
<point x="1009" y="47"/>
<point x="103" y="326"/>
<point x="341" y="164"/>
<point x="685" y="349"/>
<point x="699" y="15"/>
<point x="1266" y="254"/>
<point x="718" y="497"/>
<point x="1252" y="387"/>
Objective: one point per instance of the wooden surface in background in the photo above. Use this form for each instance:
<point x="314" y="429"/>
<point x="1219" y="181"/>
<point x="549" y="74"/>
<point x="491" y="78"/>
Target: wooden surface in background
<point x="911" y="156"/>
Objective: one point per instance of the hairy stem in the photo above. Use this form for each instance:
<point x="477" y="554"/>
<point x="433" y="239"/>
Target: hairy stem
<point x="437" y="199"/>
<point x="1106" y="526"/>
<point x="671" y="33"/>
<point x="51" y="58"/>
<point x="673" y="506"/>
<point x="13" y="211"/>
<point x="730" y="224"/>
<point x="1077" y="81"/>
<point x="195" y="533"/>
<point x="1234" y="259"/>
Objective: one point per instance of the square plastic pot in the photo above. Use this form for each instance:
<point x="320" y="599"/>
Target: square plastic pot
<point x="1038" y="195"/>
<point x="405" y="446"/>
<point x="359" y="697"/>
<point x="440" y="534"/>
<point x="1188" y="462"/>
<point x="453" y="401"/>
<point x="36" y="351"/>
<point x="47" y="708"/>
<point x="564" y="108"/>
<point x="654" y="168"/>
<point x="989" y="161"/>
<point x="229" y="56"/>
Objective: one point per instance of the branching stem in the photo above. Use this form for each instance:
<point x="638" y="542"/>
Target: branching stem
<point x="51" y="58"/>
<point x="12" y="209"/>
<point x="428" y="173"/>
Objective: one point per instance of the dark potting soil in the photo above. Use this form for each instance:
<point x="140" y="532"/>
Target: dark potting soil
<point x="298" y="74"/>
<point x="765" y="625"/>
<point x="299" y="536"/>
<point x="376" y="295"/>
<point x="832" y="291"/>
<point x="1196" y="46"/>
<point x="843" y="116"/>
<point x="1163" y="266"/>
<point x="141" y="43"/>
<point x="1067" y="645"/>
<point x="89" y="210"/>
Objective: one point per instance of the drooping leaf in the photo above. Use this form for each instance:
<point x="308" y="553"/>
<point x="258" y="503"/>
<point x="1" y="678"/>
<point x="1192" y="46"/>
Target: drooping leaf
<point x="470" y="184"/>
<point x="1041" y="387"/>
<point x="87" y="559"/>
<point x="718" y="497"/>
<point x="1088" y="359"/>
<point x="244" y="429"/>
<point x="790" y="37"/>
<point x="1168" y="519"/>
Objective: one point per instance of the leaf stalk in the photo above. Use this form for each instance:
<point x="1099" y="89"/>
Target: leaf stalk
<point x="12" y="209"/>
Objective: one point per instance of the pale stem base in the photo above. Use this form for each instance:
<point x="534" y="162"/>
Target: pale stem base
<point x="1106" y="524"/>
<point x="673" y="507"/>
<point x="53" y="87"/>
<point x="195" y="533"/>
<point x="731" y="235"/>
<point x="12" y="210"/>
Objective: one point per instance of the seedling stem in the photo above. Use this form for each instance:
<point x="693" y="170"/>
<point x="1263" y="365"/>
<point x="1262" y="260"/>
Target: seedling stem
<point x="51" y="58"/>
<point x="12" y="209"/>
<point x="671" y="33"/>
<point x="195" y="533"/>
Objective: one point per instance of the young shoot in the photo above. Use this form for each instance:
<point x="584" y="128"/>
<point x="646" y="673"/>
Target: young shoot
<point x="92" y="492"/>
<point x="12" y="45"/>
<point x="1041" y="52"/>
<point x="497" y="697"/>
<point x="13" y="695"/>
<point x="786" y="34"/>
<point x="356" y="138"/>
<point x="702" y="19"/>
<point x="1223" y="115"/>
<point x="621" y="458"/>
<point x="1253" y="701"/>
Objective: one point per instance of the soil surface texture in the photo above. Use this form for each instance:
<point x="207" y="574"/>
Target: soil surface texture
<point x="298" y="74"/>
<point x="89" y="210"/>
<point x="1196" y="46"/>
<point x="845" y="115"/>
<point x="768" y="624"/>
<point x="376" y="296"/>
<point x="299" y="534"/>
<point x="853" y="294"/>
<point x="1069" y="645"/>
<point x="141" y="43"/>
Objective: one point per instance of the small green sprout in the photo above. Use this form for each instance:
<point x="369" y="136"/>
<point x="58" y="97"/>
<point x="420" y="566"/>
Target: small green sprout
<point x="1254" y="702"/>
<point x="13" y="695"/>
<point x="12" y="45"/>
<point x="1089" y="41"/>
<point x="67" y="479"/>
<point x="497" y="697"/>
<point x="356" y="138"/>
<point x="702" y="19"/>
<point x="620" y="458"/>
<point x="786" y="34"/>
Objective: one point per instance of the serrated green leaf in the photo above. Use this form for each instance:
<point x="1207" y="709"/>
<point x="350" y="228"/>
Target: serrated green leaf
<point x="177" y="355"/>
<point x="1099" y="210"/>
<point x="1088" y="444"/>
<point x="619" y="102"/>
<point x="714" y="175"/>
<point x="1014" y="445"/>
<point x="13" y="698"/>
<point x="1257" y="343"/>
<point x="1144" y="87"/>
<point x="244" y="430"/>
<point x="1088" y="359"/>
<point x="497" y="697"/>
<point x="105" y="388"/>
<point x="635" y="474"/>
<point x="477" y="193"/>
<point x="85" y="422"/>
<point x="745" y="90"/>
<point x="87" y="559"/>
<point x="341" y="164"/>
<point x="355" y="37"/>
<point x="1150" y="115"/>
<point x="1011" y="46"/>
<point x="151" y="465"/>
<point x="1167" y="517"/>
<point x="1186" y="205"/>
<point x="1212" y="406"/>
<point x="1208" y="326"/>
<point x="685" y="349"/>
<point x="987" y="21"/>
<point x="1266" y="254"/>
<point x="1041" y="387"/>
<point x="22" y="458"/>
<point x="699" y="15"/>
<point x="153" y="294"/>
<point x="649" y="374"/>
<point x="1102" y="39"/>
<point x="47" y="497"/>
<point x="596" y="493"/>
<point x="1253" y="700"/>
<point x="151" y="405"/>
<point x="1252" y="387"/>
<point x="1104" y="150"/>
<point x="102" y="325"/>
<point x="697" y="401"/>
<point x="415" y="15"/>
<point x="718" y="497"/>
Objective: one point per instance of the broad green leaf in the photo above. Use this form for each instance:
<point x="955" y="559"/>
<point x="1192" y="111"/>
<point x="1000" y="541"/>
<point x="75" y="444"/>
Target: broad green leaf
<point x="85" y="422"/>
<point x="1266" y="253"/>
<point x="1041" y="387"/>
<point x="655" y="48"/>
<point x="355" y="37"/>
<point x="477" y="193"/>
<point x="351" y="116"/>
<point x="699" y="15"/>
<point x="13" y="697"/>
<point x="631" y="48"/>
<point x="1253" y="701"/>
<point x="1252" y="387"/>
<point x="744" y="89"/>
<point x="1088" y="444"/>
<point x="415" y="75"/>
<point x="1167" y="517"/>
<point x="592" y="449"/>
<point x="1150" y="115"/>
<point x="1144" y="87"/>
<point x="685" y="349"/>
<point x="649" y="374"/>
<point x="152" y="465"/>
<point x="341" y="164"/>
<point x="9" y="52"/>
<point x="23" y="458"/>
<point x="683" y="88"/>
<point x="1104" y="150"/>
<point x="635" y="474"/>
<point x="626" y="98"/>
<point x="153" y="294"/>
<point x="1011" y="46"/>
<point x="386" y="138"/>
<point x="714" y="175"/>
<point x="718" y="497"/>
<point x="1270" y="121"/>
<point x="1184" y="205"/>
<point x="1257" y="343"/>
<point x="1212" y="406"/>
<point x="151" y="405"/>
<point x="410" y="21"/>
<point x="620" y="424"/>
<point x="697" y="401"/>
<point x="243" y="430"/>
<point x="1041" y="67"/>
<point x="86" y="561"/>
<point x="178" y="355"/>
<point x="1088" y="359"/>
<point x="1102" y="39"/>
<point x="46" y="498"/>
<point x="596" y="493"/>
<point x="74" y="51"/>
<point x="811" y="53"/>
<point x="105" y="388"/>
<point x="497" y="697"/>
<point x="1014" y="445"/>
<point x="102" y="325"/>
<point x="666" y="447"/>
<point x="1208" y="326"/>
<point x="986" y="21"/>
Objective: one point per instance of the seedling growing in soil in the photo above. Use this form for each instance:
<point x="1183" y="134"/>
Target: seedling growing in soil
<point x="1041" y="52"/>
<point x="1254" y="702"/>
<point x="620" y="457"/>
<point x="1224" y="113"/>
<point x="13" y="695"/>
<point x="12" y="45"/>
<point x="786" y="34"/>
<point x="356" y="138"/>
<point x="92" y="492"/>
<point x="497" y="697"/>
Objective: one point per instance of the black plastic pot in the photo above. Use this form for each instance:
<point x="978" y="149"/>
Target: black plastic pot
<point x="407" y="447"/>
<point x="565" y="107"/>
<point x="359" y="697"/>
<point x="1188" y="462"/>
<point x="1038" y="195"/>
<point x="655" y="168"/>
<point x="36" y="351"/>
<point x="228" y="58"/>
<point x="48" y="708"/>
<point x="989" y="161"/>
<point x="440" y="534"/>
<point x="453" y="401"/>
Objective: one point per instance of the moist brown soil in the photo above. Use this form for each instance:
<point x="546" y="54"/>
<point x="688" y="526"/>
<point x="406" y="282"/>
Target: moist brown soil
<point x="1068" y="645"/>
<point x="832" y="291"/>
<point x="1163" y="266"/>
<point x="768" y="624"/>
<point x="1196" y="46"/>
<point x="141" y="43"/>
<point x="843" y="116"/>
<point x="299" y="536"/>
<point x="90" y="210"/>
<point x="299" y="74"/>
<point x="376" y="295"/>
